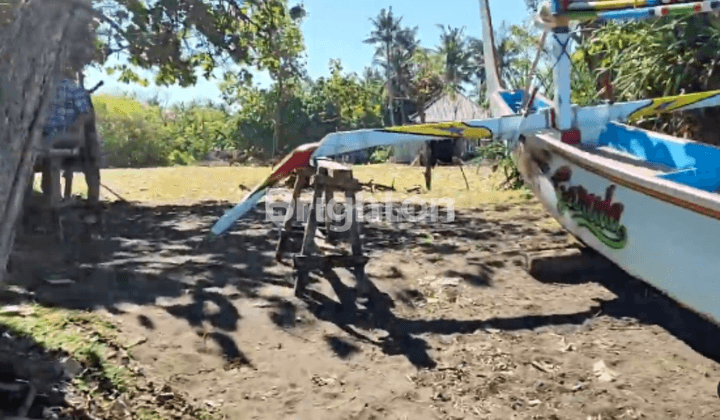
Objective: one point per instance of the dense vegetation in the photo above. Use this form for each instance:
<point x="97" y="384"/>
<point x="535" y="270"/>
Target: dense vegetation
<point x="646" y="59"/>
<point x="137" y="134"/>
<point x="294" y="109"/>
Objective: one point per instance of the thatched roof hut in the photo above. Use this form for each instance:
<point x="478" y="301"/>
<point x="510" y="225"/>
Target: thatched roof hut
<point x="443" y="107"/>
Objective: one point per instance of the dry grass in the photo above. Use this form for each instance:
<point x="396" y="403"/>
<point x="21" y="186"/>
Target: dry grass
<point x="195" y="183"/>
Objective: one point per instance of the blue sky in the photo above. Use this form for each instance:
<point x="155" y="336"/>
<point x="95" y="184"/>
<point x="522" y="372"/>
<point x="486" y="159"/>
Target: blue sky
<point x="336" y="29"/>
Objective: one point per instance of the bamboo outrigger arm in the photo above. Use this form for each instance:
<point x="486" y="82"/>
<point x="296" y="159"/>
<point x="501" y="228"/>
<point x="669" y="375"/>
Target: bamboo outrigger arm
<point x="505" y="127"/>
<point x="585" y="119"/>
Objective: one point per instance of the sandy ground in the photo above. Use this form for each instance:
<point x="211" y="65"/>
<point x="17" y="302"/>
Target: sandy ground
<point x="490" y="316"/>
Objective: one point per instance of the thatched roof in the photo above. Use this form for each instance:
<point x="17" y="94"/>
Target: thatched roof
<point x="444" y="108"/>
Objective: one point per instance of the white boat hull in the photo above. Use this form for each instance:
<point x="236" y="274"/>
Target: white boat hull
<point x="668" y="245"/>
<point x="660" y="231"/>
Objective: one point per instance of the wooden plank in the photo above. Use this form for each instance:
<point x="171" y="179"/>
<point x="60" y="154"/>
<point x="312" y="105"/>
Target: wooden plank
<point x="330" y="165"/>
<point x="309" y="238"/>
<point x="322" y="262"/>
<point x="300" y="182"/>
<point x="338" y="183"/>
<point x="328" y="194"/>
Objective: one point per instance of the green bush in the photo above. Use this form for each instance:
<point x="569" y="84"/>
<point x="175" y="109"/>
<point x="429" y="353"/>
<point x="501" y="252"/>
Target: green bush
<point x="381" y="155"/>
<point x="131" y="142"/>
<point x="139" y="135"/>
<point x="499" y="154"/>
<point x="178" y="157"/>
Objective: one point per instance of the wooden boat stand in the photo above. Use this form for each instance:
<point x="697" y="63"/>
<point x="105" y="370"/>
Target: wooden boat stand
<point x="326" y="179"/>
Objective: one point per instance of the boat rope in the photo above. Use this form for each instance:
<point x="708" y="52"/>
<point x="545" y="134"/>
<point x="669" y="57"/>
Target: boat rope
<point x="528" y="98"/>
<point x="533" y="68"/>
<point x="525" y="113"/>
<point x="564" y="46"/>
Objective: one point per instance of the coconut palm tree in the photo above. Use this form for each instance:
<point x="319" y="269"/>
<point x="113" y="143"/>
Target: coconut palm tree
<point x="391" y="40"/>
<point x="457" y="58"/>
<point x="426" y="78"/>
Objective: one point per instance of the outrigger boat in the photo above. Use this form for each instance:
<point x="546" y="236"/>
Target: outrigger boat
<point x="644" y="200"/>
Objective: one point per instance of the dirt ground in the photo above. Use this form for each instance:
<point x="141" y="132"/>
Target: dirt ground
<point x="494" y="315"/>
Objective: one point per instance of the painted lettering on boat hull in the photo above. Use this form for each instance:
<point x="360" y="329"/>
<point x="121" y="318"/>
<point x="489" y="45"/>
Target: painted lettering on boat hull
<point x="597" y="214"/>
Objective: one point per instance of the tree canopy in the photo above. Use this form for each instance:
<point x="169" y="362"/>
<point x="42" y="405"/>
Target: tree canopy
<point x="176" y="37"/>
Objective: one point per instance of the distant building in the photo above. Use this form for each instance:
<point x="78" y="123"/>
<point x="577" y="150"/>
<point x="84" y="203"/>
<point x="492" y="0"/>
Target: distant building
<point x="443" y="108"/>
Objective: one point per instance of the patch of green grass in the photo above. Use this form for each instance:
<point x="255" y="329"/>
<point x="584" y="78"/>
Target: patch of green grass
<point x="198" y="183"/>
<point x="427" y="239"/>
<point x="146" y="414"/>
<point x="206" y="415"/>
<point x="83" y="335"/>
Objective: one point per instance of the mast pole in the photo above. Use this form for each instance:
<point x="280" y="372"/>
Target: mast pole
<point x="562" y="77"/>
<point x="560" y="29"/>
<point x="492" y="71"/>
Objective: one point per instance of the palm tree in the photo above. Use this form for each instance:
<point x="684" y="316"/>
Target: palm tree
<point x="477" y="70"/>
<point x="454" y="49"/>
<point x="427" y="77"/>
<point x="401" y="66"/>
<point x="390" y="38"/>
<point x="371" y="76"/>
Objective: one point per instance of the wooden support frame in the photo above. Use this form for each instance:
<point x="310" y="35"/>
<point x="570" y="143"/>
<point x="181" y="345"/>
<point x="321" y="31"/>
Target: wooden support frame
<point x="302" y="180"/>
<point x="326" y="179"/>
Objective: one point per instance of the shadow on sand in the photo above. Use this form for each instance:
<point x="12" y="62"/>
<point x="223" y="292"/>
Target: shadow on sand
<point x="635" y="300"/>
<point x="150" y="253"/>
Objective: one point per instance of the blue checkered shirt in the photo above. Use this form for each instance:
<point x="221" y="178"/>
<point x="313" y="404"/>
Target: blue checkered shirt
<point x="70" y="101"/>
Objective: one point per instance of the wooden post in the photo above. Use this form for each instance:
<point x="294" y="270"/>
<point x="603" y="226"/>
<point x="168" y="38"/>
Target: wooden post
<point x="428" y="165"/>
<point x="329" y="194"/>
<point x="355" y="244"/>
<point x="68" y="175"/>
<point x="300" y="182"/>
<point x="459" y="163"/>
<point x="55" y="197"/>
<point x="308" y="246"/>
<point x="92" y="157"/>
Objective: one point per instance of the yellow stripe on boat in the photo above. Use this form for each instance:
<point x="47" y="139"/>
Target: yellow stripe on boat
<point x="671" y="103"/>
<point x="453" y="129"/>
<point x="611" y="4"/>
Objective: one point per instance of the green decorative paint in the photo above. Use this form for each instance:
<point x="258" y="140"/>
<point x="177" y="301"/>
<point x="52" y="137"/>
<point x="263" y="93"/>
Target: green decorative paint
<point x="600" y="216"/>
